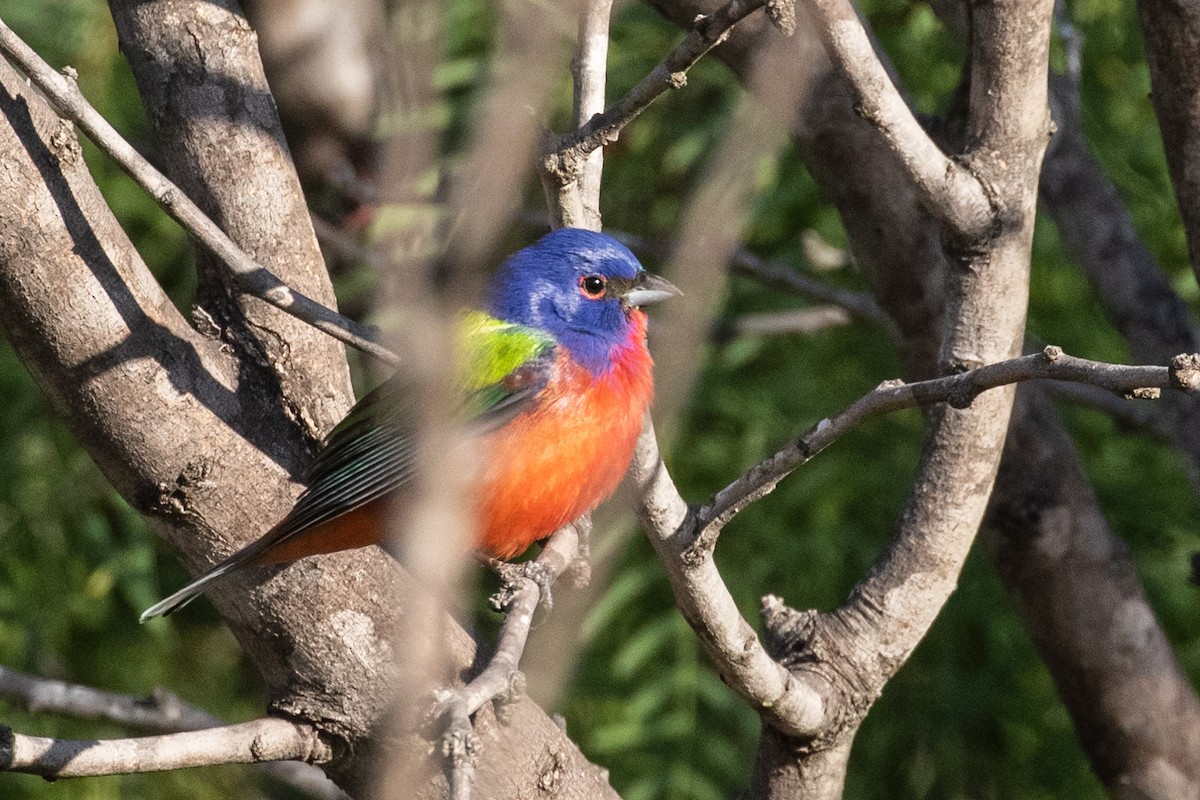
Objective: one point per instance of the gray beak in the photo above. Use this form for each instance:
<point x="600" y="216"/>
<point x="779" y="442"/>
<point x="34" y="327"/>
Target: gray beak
<point x="649" y="288"/>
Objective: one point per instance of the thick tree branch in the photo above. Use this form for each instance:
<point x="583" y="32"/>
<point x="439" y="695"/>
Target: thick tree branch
<point x="63" y="91"/>
<point x="1171" y="31"/>
<point x="1077" y="589"/>
<point x="267" y="739"/>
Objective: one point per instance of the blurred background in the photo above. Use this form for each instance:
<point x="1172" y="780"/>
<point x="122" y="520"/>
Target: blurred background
<point x="973" y="714"/>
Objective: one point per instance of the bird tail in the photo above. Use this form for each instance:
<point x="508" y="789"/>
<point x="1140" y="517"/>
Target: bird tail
<point x="187" y="594"/>
<point x="200" y="585"/>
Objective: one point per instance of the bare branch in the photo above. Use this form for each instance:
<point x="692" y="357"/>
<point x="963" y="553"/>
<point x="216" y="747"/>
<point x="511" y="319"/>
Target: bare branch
<point x="161" y="711"/>
<point x="778" y="276"/>
<point x="959" y="391"/>
<point x="526" y="586"/>
<point x="945" y="186"/>
<point x="63" y="92"/>
<point x="804" y="321"/>
<point x="793" y="706"/>
<point x="266" y="739"/>
<point x="591" y="70"/>
<point x="569" y="152"/>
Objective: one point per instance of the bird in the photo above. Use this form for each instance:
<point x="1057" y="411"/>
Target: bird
<point x="555" y="379"/>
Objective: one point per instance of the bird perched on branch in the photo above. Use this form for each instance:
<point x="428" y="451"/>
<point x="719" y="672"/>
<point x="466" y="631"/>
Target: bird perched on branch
<point x="556" y="374"/>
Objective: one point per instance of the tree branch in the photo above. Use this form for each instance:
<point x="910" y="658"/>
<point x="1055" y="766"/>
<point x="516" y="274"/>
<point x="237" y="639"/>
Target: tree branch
<point x="525" y="587"/>
<point x="63" y="92"/>
<point x="590" y="69"/>
<point x="567" y="154"/>
<point x="959" y="391"/>
<point x="795" y="706"/>
<point x="161" y="712"/>
<point x="946" y="187"/>
<point x="266" y="739"/>
<point x="778" y="276"/>
<point x="1170" y="30"/>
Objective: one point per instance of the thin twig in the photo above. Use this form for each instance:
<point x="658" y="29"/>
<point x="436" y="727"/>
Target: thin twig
<point x="160" y="711"/>
<point x="858" y="304"/>
<point x="62" y="90"/>
<point x="570" y="152"/>
<point x="804" y="321"/>
<point x="959" y="390"/>
<point x="946" y="187"/>
<point x="267" y="739"/>
<point x="526" y="586"/>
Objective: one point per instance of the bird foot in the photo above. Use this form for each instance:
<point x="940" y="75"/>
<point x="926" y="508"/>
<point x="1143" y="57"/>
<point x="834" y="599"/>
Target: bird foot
<point x="511" y="576"/>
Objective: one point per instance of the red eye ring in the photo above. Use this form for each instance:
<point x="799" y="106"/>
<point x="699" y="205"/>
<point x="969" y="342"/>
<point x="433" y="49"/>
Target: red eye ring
<point x="593" y="287"/>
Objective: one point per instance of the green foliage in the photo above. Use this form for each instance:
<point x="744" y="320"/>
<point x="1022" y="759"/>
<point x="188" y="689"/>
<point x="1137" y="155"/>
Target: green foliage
<point x="972" y="715"/>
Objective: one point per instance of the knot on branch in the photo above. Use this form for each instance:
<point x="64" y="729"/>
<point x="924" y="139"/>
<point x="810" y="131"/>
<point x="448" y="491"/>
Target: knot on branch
<point x="782" y="14"/>
<point x="787" y="631"/>
<point x="1052" y="353"/>
<point x="561" y="162"/>
<point x="513" y="575"/>
<point x="962" y="395"/>
<point x="1185" y="372"/>
<point x="505" y="703"/>
<point x="65" y="144"/>
<point x="460" y="748"/>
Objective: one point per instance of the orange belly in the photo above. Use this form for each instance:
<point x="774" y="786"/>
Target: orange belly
<point x="558" y="461"/>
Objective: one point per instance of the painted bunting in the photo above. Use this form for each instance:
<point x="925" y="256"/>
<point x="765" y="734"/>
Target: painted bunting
<point x="556" y="375"/>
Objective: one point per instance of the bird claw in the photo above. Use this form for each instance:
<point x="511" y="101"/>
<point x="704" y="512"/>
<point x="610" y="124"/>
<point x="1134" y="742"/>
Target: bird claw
<point x="511" y="576"/>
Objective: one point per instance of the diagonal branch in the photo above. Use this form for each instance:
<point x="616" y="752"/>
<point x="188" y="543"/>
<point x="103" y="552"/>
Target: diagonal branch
<point x="946" y="187"/>
<point x="266" y="739"/>
<point x="777" y="276"/>
<point x="64" y="94"/>
<point x="796" y="707"/>
<point x="959" y="391"/>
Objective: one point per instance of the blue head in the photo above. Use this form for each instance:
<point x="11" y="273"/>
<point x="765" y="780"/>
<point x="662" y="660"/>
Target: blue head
<point x="582" y="287"/>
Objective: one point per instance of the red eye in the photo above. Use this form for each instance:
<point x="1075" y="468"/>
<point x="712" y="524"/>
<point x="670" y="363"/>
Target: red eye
<point x="593" y="286"/>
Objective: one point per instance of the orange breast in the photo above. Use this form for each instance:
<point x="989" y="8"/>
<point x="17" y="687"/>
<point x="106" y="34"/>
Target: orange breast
<point x="559" y="460"/>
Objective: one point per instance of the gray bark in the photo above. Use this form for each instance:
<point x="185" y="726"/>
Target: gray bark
<point x="165" y="413"/>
